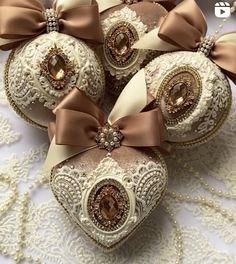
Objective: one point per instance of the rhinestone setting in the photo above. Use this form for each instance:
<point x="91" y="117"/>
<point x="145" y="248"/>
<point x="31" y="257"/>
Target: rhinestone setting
<point x="109" y="137"/>
<point x="179" y="95"/>
<point x="118" y="44"/>
<point x="108" y="205"/>
<point x="57" y="68"/>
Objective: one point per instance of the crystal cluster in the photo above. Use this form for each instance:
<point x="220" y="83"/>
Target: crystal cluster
<point x="109" y="137"/>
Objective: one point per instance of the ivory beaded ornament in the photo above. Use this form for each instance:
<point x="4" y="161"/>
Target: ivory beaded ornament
<point x="105" y="175"/>
<point x="44" y="66"/>
<point x="123" y="23"/>
<point x="189" y="83"/>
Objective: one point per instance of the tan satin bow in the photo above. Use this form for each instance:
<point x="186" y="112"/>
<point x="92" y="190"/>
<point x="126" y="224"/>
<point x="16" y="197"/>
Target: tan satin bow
<point x="78" y="119"/>
<point x="22" y="20"/>
<point x="184" y="28"/>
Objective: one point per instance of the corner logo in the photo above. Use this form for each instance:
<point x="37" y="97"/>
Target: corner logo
<point x="222" y="10"/>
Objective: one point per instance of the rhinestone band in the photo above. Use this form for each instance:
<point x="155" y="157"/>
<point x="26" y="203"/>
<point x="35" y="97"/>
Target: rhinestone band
<point x="52" y="20"/>
<point x="206" y="45"/>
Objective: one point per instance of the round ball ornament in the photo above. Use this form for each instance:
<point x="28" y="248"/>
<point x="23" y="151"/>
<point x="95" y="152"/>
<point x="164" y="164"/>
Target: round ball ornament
<point x="123" y="23"/>
<point x="195" y="98"/>
<point x="43" y="68"/>
<point x="190" y="86"/>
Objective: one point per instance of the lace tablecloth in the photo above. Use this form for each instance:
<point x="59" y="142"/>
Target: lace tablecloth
<point x="196" y="222"/>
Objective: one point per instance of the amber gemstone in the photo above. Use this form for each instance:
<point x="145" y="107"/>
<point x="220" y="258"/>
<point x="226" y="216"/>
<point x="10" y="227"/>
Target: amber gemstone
<point x="178" y="94"/>
<point x="57" y="67"/>
<point x="121" y="44"/>
<point x="109" y="207"/>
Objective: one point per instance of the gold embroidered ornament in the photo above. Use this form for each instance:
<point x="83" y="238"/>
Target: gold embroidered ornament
<point x="124" y="23"/>
<point x="104" y="174"/>
<point x="41" y="71"/>
<point x="190" y="83"/>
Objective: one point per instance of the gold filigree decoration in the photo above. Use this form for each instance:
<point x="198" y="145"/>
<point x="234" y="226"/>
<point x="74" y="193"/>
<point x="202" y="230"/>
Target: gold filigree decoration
<point x="109" y="137"/>
<point x="57" y="68"/>
<point x="108" y="205"/>
<point x="179" y="94"/>
<point x="118" y="44"/>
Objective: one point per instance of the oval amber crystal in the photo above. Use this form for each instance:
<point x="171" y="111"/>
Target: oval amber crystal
<point x="109" y="207"/>
<point x="178" y="94"/>
<point x="57" y="67"/>
<point x="121" y="44"/>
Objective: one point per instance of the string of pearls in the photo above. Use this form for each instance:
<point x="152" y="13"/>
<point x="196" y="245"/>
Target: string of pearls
<point x="24" y="200"/>
<point x="204" y="184"/>
<point x="12" y="197"/>
<point x="202" y="201"/>
<point x="178" y="235"/>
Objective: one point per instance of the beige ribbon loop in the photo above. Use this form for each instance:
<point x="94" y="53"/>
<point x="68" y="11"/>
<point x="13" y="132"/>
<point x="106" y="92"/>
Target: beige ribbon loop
<point x="151" y="41"/>
<point x="132" y="100"/>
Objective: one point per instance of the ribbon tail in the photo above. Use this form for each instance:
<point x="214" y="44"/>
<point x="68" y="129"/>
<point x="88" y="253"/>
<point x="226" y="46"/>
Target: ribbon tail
<point x="59" y="153"/>
<point x="105" y="4"/>
<point x="132" y="100"/>
<point x="151" y="41"/>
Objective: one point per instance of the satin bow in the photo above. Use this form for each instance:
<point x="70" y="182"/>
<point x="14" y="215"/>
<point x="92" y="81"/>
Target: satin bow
<point x="184" y="28"/>
<point x="78" y="120"/>
<point x="22" y="20"/>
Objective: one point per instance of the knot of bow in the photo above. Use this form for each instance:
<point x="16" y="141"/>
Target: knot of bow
<point x="79" y="120"/>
